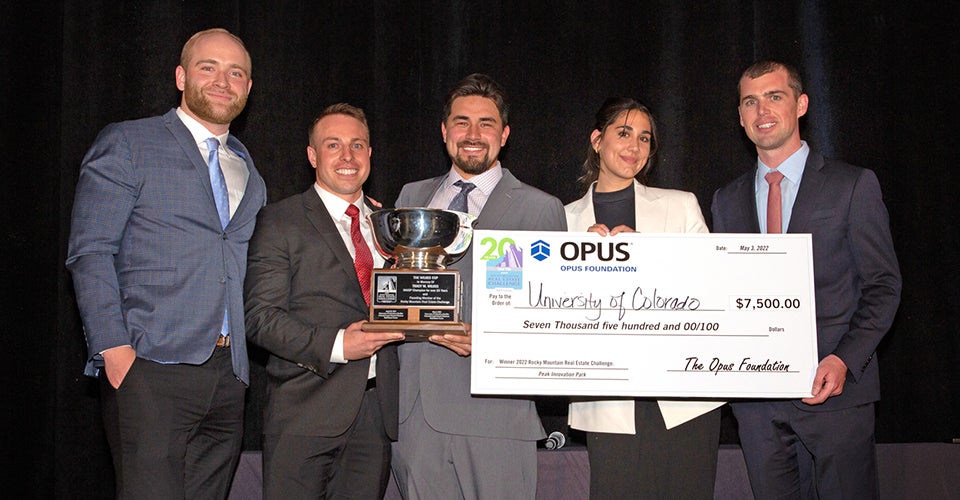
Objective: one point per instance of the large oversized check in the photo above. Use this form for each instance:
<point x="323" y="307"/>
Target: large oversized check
<point x="666" y="315"/>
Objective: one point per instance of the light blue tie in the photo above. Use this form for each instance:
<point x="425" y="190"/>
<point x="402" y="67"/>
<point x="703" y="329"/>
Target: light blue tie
<point x="220" y="195"/>
<point x="218" y="182"/>
<point x="459" y="202"/>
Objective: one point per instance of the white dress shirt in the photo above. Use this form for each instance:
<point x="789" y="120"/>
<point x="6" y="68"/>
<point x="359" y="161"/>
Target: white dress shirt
<point x="337" y="208"/>
<point x="234" y="167"/>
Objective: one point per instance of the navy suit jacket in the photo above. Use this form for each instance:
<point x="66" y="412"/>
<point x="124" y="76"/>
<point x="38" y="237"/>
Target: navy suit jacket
<point x="437" y="375"/>
<point x="151" y="265"/>
<point x="301" y="289"/>
<point x="857" y="278"/>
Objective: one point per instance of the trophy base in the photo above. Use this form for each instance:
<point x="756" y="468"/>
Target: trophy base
<point x="416" y="332"/>
<point x="417" y="302"/>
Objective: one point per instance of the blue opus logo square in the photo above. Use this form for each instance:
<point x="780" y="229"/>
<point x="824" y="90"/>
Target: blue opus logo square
<point x="540" y="250"/>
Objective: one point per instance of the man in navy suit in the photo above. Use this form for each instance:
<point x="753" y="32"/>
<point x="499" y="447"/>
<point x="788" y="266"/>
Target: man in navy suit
<point x="158" y="263"/>
<point x="331" y="407"/>
<point x="821" y="446"/>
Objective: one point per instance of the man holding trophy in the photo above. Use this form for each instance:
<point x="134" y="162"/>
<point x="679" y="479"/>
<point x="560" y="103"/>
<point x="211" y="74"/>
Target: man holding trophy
<point x="451" y="444"/>
<point x="331" y="407"/>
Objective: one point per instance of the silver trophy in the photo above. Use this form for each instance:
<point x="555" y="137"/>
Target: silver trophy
<point x="418" y="295"/>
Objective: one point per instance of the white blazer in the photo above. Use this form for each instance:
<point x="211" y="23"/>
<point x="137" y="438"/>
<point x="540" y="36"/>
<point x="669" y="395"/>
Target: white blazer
<point x="657" y="211"/>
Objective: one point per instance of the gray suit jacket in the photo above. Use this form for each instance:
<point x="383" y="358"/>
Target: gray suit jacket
<point x="151" y="265"/>
<point x="441" y="377"/>
<point x="857" y="278"/>
<point x="301" y="289"/>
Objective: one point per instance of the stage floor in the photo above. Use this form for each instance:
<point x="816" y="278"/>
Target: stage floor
<point x="907" y="470"/>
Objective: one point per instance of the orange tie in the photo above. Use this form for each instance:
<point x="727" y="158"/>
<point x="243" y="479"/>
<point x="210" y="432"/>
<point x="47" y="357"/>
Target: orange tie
<point x="774" y="210"/>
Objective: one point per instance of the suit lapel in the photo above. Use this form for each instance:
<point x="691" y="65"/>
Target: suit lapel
<point x="745" y="203"/>
<point x="580" y="212"/>
<point x="237" y="147"/>
<point x="426" y="191"/>
<point x="183" y="137"/>
<point x="499" y="203"/>
<point x="811" y="187"/>
<point x="318" y="217"/>
<point x="650" y="212"/>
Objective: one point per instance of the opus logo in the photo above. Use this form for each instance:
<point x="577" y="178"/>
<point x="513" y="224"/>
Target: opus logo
<point x="604" y="252"/>
<point x="540" y="250"/>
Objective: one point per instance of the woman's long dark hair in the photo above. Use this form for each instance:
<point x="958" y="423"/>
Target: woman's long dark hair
<point x="608" y="113"/>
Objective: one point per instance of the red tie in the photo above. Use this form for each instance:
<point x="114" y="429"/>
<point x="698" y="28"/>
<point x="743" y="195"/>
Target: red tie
<point x="363" y="261"/>
<point x="774" y="210"/>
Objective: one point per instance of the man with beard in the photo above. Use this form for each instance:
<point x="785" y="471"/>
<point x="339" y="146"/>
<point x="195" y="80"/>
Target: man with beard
<point x="451" y="444"/>
<point x="163" y="212"/>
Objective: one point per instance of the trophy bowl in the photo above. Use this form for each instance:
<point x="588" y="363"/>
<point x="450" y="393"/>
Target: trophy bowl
<point x="418" y="295"/>
<point x="422" y="238"/>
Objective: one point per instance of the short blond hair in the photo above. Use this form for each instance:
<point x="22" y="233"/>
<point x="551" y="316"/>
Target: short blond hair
<point x="187" y="51"/>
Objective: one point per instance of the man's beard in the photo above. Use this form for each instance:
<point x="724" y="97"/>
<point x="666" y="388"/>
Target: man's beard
<point x="205" y="110"/>
<point x="473" y="165"/>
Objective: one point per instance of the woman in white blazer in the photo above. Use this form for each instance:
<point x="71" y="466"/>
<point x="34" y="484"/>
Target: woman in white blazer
<point x="632" y="452"/>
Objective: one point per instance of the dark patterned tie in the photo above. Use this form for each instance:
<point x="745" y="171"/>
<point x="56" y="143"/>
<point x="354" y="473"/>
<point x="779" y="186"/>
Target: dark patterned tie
<point x="363" y="260"/>
<point x="459" y="202"/>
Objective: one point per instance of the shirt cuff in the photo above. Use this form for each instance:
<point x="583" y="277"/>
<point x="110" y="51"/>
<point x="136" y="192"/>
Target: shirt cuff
<point x="337" y="355"/>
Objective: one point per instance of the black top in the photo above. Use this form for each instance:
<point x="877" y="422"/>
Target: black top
<point x="615" y="208"/>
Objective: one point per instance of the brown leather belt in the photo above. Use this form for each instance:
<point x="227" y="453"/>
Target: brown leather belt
<point x="223" y="341"/>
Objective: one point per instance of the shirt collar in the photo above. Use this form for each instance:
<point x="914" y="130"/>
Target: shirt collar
<point x="791" y="168"/>
<point x="485" y="182"/>
<point x="198" y="131"/>
<point x="336" y="205"/>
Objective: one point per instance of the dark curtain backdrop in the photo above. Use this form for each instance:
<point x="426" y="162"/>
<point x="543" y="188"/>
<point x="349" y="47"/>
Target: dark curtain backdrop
<point x="880" y="76"/>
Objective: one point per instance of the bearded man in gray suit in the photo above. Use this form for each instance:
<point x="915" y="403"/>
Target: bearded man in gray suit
<point x="452" y="444"/>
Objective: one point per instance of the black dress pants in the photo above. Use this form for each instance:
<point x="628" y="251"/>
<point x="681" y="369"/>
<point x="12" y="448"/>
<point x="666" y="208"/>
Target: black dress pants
<point x="655" y="463"/>
<point x="175" y="430"/>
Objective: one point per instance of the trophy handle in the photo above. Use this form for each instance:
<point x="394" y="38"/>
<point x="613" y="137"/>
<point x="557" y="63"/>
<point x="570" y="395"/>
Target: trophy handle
<point x="466" y="220"/>
<point x="458" y="248"/>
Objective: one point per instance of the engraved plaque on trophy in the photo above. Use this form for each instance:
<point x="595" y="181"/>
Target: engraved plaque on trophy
<point x="418" y="295"/>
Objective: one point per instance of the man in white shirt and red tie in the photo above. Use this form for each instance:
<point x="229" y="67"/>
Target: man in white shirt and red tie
<point x="331" y="409"/>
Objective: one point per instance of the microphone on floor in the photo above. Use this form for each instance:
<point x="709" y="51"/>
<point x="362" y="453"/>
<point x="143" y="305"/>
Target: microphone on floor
<point x="555" y="441"/>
